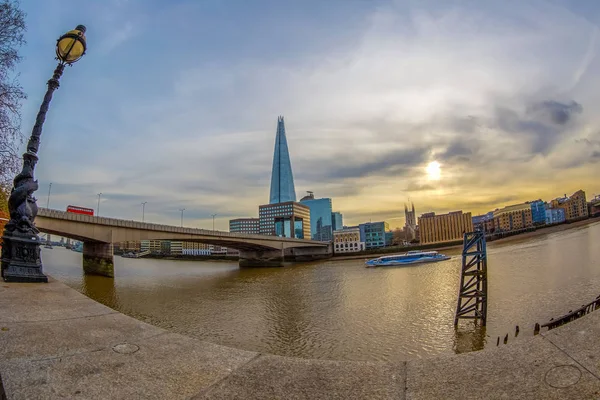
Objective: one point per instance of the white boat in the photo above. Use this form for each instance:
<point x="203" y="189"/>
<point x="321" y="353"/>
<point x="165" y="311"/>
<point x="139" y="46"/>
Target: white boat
<point x="411" y="257"/>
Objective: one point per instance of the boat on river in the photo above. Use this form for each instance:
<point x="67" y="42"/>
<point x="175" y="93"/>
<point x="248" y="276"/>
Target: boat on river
<point x="411" y="257"/>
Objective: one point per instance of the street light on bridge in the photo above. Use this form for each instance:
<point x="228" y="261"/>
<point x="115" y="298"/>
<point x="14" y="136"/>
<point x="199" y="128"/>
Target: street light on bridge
<point x="214" y="215"/>
<point x="143" y="209"/>
<point x="21" y="261"/>
<point x="182" y="210"/>
<point x="98" y="208"/>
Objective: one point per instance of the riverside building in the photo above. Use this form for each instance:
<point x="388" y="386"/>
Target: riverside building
<point x="321" y="221"/>
<point x="347" y="240"/>
<point x="513" y="218"/>
<point x="373" y="234"/>
<point x="444" y="227"/>
<point x="245" y="225"/>
<point x="575" y="206"/>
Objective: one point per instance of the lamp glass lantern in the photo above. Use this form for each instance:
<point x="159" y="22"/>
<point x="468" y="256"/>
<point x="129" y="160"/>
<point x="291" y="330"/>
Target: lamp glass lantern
<point x="71" y="46"/>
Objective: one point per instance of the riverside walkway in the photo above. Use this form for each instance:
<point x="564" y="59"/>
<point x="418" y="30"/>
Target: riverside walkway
<point x="57" y="343"/>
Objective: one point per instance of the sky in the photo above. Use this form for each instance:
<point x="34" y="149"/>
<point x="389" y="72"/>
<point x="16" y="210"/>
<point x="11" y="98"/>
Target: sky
<point x="455" y="105"/>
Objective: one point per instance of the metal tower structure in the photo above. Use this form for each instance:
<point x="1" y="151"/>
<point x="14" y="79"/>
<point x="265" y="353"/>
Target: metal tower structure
<point x="472" y="296"/>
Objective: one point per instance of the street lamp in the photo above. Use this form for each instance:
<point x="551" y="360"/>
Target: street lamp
<point x="21" y="261"/>
<point x="98" y="209"/>
<point x="214" y="215"/>
<point x="182" y="210"/>
<point x="49" y="189"/>
<point x="143" y="209"/>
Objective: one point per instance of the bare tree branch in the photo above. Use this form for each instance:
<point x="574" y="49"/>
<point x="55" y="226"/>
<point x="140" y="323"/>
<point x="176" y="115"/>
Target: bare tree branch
<point x="12" y="29"/>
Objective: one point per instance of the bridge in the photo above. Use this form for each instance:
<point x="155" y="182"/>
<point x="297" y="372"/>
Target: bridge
<point x="99" y="233"/>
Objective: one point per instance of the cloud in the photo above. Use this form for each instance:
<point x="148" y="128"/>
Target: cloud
<point x="118" y="36"/>
<point x="419" y="187"/>
<point x="371" y="92"/>
<point x="541" y="126"/>
<point x="555" y="112"/>
<point x="350" y="166"/>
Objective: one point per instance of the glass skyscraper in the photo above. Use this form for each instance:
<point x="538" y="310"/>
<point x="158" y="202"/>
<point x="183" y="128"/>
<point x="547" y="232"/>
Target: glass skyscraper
<point x="321" y="223"/>
<point x="282" y="179"/>
<point x="337" y="221"/>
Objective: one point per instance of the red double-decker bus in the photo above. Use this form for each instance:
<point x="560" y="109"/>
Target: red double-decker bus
<point x="80" y="210"/>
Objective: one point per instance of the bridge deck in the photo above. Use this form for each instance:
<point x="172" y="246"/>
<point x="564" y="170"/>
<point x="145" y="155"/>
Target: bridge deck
<point x="144" y="226"/>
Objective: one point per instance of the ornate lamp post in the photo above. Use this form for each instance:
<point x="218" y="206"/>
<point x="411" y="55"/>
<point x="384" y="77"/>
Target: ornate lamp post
<point x="20" y="261"/>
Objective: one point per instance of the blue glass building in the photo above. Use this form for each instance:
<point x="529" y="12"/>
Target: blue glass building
<point x="282" y="179"/>
<point x="374" y="234"/>
<point x="321" y="223"/>
<point x="555" y="216"/>
<point x="538" y="212"/>
<point x="337" y="220"/>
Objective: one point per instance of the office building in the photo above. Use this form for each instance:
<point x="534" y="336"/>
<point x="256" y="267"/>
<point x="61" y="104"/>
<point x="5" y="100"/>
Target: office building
<point x="594" y="207"/>
<point x="513" y="218"/>
<point x="153" y="246"/>
<point x="373" y="234"/>
<point x="176" y="248"/>
<point x="444" y="227"/>
<point x="337" y="220"/>
<point x="321" y="223"/>
<point x="538" y="212"/>
<point x="195" y="249"/>
<point x="217" y="250"/>
<point x="282" y="179"/>
<point x="484" y="222"/>
<point x="283" y="216"/>
<point x="165" y="247"/>
<point x="134" y="246"/>
<point x="289" y="219"/>
<point x="555" y="216"/>
<point x="347" y="240"/>
<point x="244" y="225"/>
<point x="575" y="206"/>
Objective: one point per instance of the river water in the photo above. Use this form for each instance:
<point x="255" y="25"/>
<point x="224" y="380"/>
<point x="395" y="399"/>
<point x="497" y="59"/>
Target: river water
<point x="341" y="310"/>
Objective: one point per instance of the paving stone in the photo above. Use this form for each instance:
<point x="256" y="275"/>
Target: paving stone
<point x="579" y="339"/>
<point x="47" y="339"/>
<point x="273" y="377"/>
<point x="20" y="302"/>
<point x="532" y="369"/>
<point x="168" y="366"/>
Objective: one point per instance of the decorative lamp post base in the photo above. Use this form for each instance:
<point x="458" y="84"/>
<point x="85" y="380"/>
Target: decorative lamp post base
<point x="21" y="261"/>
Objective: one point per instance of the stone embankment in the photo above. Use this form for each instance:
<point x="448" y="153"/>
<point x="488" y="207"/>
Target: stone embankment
<point x="57" y="343"/>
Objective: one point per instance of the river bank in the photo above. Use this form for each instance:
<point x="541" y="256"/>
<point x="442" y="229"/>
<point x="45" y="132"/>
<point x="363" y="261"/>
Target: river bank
<point x="101" y="353"/>
<point x="544" y="230"/>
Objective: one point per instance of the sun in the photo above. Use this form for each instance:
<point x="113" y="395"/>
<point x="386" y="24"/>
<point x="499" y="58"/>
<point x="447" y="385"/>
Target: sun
<point x="434" y="172"/>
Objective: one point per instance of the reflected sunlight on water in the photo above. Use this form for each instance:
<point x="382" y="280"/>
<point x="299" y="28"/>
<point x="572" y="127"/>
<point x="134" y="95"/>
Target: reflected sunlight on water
<point x="341" y="310"/>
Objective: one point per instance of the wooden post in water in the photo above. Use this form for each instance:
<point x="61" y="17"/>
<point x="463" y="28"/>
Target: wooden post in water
<point x="472" y="296"/>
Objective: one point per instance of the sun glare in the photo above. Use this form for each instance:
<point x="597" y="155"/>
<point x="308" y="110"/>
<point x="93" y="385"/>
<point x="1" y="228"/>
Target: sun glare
<point x="434" y="172"/>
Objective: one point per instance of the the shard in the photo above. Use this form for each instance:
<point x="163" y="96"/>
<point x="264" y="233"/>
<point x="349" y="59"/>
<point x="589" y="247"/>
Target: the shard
<point x="282" y="179"/>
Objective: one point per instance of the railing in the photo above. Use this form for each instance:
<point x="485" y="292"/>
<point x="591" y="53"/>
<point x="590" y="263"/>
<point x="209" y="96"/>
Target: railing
<point x="573" y="315"/>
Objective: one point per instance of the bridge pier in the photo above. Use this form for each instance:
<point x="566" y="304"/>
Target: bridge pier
<point x="98" y="259"/>
<point x="261" y="258"/>
<point x="283" y="257"/>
